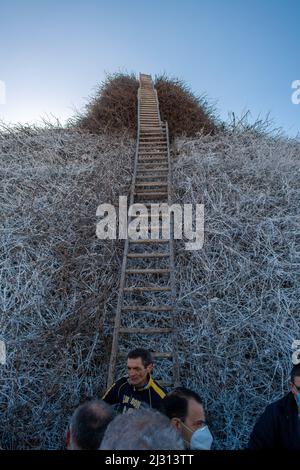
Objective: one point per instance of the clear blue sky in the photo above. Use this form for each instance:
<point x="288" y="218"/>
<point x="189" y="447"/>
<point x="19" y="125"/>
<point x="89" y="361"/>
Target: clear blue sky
<point x="243" y="54"/>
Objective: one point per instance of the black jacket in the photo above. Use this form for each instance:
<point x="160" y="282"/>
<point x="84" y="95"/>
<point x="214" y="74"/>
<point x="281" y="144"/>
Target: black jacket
<point x="125" y="394"/>
<point x="278" y="427"/>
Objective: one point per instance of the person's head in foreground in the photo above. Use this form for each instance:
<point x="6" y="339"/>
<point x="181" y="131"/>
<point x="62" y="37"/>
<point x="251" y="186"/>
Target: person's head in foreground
<point x="295" y="384"/>
<point x="185" y="410"/>
<point x="143" y="429"/>
<point x="139" y="367"/>
<point x="88" y="425"/>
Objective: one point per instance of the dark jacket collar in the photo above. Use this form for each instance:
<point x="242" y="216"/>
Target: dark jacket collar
<point x="288" y="404"/>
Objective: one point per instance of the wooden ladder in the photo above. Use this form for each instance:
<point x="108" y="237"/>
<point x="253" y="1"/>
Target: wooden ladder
<point x="146" y="299"/>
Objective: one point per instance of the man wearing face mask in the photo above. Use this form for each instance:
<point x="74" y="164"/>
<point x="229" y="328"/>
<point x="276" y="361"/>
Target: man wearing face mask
<point x="279" y="425"/>
<point x="185" y="410"/>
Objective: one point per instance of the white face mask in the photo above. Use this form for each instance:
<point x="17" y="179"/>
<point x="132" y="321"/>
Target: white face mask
<point x="201" y="439"/>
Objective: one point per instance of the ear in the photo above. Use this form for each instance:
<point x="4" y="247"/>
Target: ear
<point x="292" y="387"/>
<point x="68" y="439"/>
<point x="149" y="368"/>
<point x="175" y="422"/>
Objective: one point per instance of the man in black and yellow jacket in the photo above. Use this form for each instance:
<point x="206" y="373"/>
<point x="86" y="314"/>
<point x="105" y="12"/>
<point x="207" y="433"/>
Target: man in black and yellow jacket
<point x="139" y="389"/>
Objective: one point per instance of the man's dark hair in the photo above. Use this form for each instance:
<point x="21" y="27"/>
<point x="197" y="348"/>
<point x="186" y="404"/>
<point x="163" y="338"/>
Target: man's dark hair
<point x="295" y="372"/>
<point x="89" y="423"/>
<point x="175" y="404"/>
<point x="144" y="354"/>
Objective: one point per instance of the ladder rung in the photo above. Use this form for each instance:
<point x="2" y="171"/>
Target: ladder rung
<point x="146" y="331"/>
<point x="150" y="132"/>
<point x="151" y="156"/>
<point x="145" y="308"/>
<point x="163" y="166"/>
<point x="146" y="177"/>
<point x="156" y="160"/>
<point x="149" y="169"/>
<point x="151" y="191"/>
<point x="162" y="355"/>
<point x="150" y="194"/>
<point x="155" y="150"/>
<point x="148" y="240"/>
<point x="153" y="153"/>
<point x="151" y="183"/>
<point x="149" y="217"/>
<point x="148" y="271"/>
<point x="160" y="136"/>
<point x="156" y="143"/>
<point x="150" y="204"/>
<point x="154" y="170"/>
<point x="152" y="149"/>
<point x="148" y="255"/>
<point x="148" y="128"/>
<point x="147" y="289"/>
<point x="144" y="199"/>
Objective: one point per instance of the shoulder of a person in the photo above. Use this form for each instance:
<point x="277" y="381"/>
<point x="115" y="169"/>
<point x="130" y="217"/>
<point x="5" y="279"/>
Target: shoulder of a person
<point x="158" y="389"/>
<point x="121" y="381"/>
<point x="279" y="405"/>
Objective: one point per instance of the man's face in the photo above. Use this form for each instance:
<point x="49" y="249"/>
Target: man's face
<point x="295" y="387"/>
<point x="195" y="419"/>
<point x="137" y="372"/>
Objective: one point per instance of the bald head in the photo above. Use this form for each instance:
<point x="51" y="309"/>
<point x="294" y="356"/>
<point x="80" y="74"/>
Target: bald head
<point x="88" y="425"/>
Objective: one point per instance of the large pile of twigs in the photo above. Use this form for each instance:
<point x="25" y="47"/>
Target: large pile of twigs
<point x="113" y="108"/>
<point x="58" y="280"/>
<point x="238" y="297"/>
